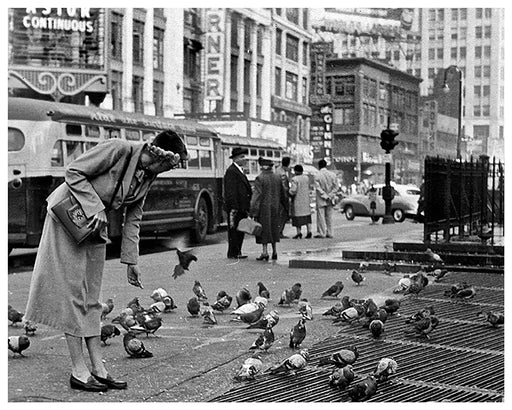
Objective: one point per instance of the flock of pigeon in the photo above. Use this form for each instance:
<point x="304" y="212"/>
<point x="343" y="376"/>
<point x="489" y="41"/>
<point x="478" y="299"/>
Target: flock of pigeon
<point x="136" y="320"/>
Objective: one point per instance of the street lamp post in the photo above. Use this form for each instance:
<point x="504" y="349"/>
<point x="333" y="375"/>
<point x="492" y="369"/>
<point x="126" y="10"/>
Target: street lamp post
<point x="446" y="89"/>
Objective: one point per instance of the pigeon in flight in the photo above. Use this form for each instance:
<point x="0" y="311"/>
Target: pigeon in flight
<point x="185" y="258"/>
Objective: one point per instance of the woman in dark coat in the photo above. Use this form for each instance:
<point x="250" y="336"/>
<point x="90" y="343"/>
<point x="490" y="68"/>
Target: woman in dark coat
<point x="267" y="201"/>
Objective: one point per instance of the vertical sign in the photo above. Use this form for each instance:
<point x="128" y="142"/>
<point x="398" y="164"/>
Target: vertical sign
<point x="327" y="112"/>
<point x="214" y="54"/>
<point x="321" y="132"/>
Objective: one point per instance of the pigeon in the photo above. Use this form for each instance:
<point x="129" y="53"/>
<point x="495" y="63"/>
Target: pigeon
<point x="376" y="328"/>
<point x="423" y="327"/>
<point x="30" y="328"/>
<point x="264" y="340"/>
<point x="250" y="368"/>
<point x="108" y="331"/>
<point x="134" y="347"/>
<point x="494" y="318"/>
<point x="185" y="258"/>
<point x="335" y="310"/>
<point x="292" y="364"/>
<point x="467" y="293"/>
<point x="341" y="358"/>
<point x="249" y="313"/>
<point x="298" y="333"/>
<point x="263" y="301"/>
<point x="243" y="296"/>
<point x="341" y="377"/>
<point x="420" y="278"/>
<point x="403" y="284"/>
<point x="286" y="297"/>
<point x="370" y="307"/>
<point x="433" y="257"/>
<point x="199" y="291"/>
<point x="334" y="290"/>
<point x="169" y="303"/>
<point x="363" y="266"/>
<point x="296" y="291"/>
<point x="438" y="274"/>
<point x="305" y="309"/>
<point x="384" y="369"/>
<point x="17" y="344"/>
<point x="222" y="303"/>
<point x="157" y="307"/>
<point x="159" y="294"/>
<point x="421" y="314"/>
<point x="135" y="305"/>
<point x="345" y="302"/>
<point x="149" y="321"/>
<point x="208" y="315"/>
<point x="391" y="306"/>
<point x="106" y="308"/>
<point x="263" y="291"/>
<point x="357" y="277"/>
<point x="414" y="289"/>
<point x="193" y="306"/>
<point x="270" y="319"/>
<point x="363" y="389"/>
<point x="351" y="314"/>
<point x="127" y="321"/>
<point x="389" y="267"/>
<point x="14" y="316"/>
<point x="381" y="315"/>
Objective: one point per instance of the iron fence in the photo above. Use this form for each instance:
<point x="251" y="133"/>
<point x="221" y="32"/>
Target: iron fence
<point x="464" y="199"/>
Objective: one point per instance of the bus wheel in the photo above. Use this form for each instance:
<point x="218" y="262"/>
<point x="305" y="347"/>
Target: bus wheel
<point x="202" y="222"/>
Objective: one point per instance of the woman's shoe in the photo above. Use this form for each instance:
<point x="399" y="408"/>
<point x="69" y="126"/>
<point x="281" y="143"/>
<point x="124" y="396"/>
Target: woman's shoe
<point x="308" y="236"/>
<point x="274" y="256"/>
<point x="110" y="382"/>
<point x="90" y="385"/>
<point x="298" y="236"/>
<point x="262" y="257"/>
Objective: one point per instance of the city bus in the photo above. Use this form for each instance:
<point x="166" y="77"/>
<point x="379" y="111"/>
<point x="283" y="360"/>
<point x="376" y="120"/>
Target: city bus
<point x="45" y="136"/>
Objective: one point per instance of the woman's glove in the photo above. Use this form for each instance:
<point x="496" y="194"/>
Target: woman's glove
<point x="133" y="273"/>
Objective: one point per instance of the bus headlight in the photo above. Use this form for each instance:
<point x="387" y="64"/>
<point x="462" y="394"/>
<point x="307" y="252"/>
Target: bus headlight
<point x="16" y="183"/>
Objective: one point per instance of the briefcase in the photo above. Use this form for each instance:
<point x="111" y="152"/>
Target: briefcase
<point x="72" y="218"/>
<point x="250" y="226"/>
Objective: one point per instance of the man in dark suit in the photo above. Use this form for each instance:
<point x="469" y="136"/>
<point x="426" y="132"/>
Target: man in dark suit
<point x="237" y="201"/>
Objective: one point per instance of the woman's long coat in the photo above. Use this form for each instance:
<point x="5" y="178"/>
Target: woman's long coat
<point x="299" y="192"/>
<point x="268" y="198"/>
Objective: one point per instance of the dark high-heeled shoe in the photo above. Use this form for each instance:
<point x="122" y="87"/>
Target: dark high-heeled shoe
<point x="298" y="236"/>
<point x="309" y="235"/>
<point x="262" y="257"/>
<point x="274" y="256"/>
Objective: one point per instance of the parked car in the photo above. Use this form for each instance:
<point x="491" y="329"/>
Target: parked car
<point x="404" y="203"/>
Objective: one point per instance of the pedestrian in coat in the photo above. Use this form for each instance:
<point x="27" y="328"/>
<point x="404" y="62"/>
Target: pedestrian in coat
<point x="66" y="281"/>
<point x="326" y="186"/>
<point x="267" y="200"/>
<point x="301" y="208"/>
<point x="284" y="172"/>
<point x="237" y="200"/>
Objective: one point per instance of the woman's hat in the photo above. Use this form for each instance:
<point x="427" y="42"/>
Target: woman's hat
<point x="265" y="162"/>
<point x="237" y="151"/>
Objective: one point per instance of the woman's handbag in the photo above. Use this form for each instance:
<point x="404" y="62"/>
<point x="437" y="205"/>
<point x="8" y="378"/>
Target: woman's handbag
<point x="250" y="226"/>
<point x="70" y="214"/>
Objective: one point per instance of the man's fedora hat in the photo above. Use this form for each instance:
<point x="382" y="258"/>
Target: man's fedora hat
<point x="265" y="162"/>
<point x="237" y="151"/>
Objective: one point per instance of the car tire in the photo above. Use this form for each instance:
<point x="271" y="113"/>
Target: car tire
<point x="398" y="215"/>
<point x="349" y="213"/>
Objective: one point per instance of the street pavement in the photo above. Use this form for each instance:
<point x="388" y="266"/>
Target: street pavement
<point x="194" y="362"/>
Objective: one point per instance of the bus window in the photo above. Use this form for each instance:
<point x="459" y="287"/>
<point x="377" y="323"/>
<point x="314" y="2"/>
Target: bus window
<point x="277" y="154"/>
<point x="269" y="153"/>
<point x="147" y="135"/>
<point x="191" y="140"/>
<point x="261" y="152"/>
<point x="73" y="150"/>
<point x="90" y="144"/>
<point x="92" y="131"/>
<point x="204" y="142"/>
<point x="253" y="167"/>
<point x="16" y="139"/>
<point x="112" y="133"/>
<point x="254" y="152"/>
<point x="57" y="155"/>
<point x="74" y="130"/>
<point x="205" y="159"/>
<point x="193" y="160"/>
<point x="132" y="135"/>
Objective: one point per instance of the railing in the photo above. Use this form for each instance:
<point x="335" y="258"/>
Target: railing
<point x="464" y="199"/>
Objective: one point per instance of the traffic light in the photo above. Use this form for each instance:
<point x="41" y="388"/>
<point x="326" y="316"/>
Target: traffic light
<point x="387" y="140"/>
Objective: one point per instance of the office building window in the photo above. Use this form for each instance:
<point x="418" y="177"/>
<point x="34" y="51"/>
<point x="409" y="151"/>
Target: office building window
<point x="292" y="47"/>
<point x="478" y="51"/>
<point x="431" y="33"/>
<point x="158" y="97"/>
<point x="440" y="33"/>
<point x="432" y="15"/>
<point x="258" y="80"/>
<point x="487" y="71"/>
<point x="343" y="115"/>
<point x="191" y="62"/>
<point x="462" y="52"/>
<point x="479" y="13"/>
<point x="463" y="14"/>
<point x="292" y="15"/>
<point x="417" y="72"/>
<point x="396" y="55"/>
<point x="291" y="86"/>
<point x="277" y="81"/>
<point x="481" y="132"/>
<point x="234" y="73"/>
<point x="440" y="53"/>
<point x="431" y="72"/>
<point x="478" y="32"/>
<point x="116" y="90"/>
<point x="279" y="40"/>
<point x="235" y="18"/>
<point x="305" y="53"/>
<point x="477" y="91"/>
<point x="138" y="43"/>
<point x="259" y="41"/>
<point x="304" y="90"/>
<point x="476" y="110"/>
<point x="453" y="52"/>
<point x="279" y="12"/>
<point x="431" y="53"/>
<point x="487" y="31"/>
<point x="158" y="49"/>
<point x="247" y="77"/>
<point x="478" y="71"/>
<point x="116" y="36"/>
<point x="247" y="35"/>
<point x="305" y="13"/>
<point x="488" y="13"/>
<point x="440" y="14"/>
<point x="455" y="33"/>
<point x="463" y="33"/>
<point x="486" y="90"/>
<point x="487" y="51"/>
<point x="137" y="94"/>
<point x="455" y="14"/>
